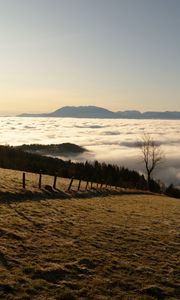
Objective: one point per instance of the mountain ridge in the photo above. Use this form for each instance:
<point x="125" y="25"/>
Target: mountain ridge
<point x="103" y="113"/>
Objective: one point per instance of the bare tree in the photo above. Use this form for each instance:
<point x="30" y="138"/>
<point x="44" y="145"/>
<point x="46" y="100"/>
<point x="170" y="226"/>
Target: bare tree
<point x="152" y="155"/>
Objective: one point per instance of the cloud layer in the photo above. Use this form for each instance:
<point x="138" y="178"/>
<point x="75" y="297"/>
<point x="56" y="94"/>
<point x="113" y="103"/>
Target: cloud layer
<point x="114" y="141"/>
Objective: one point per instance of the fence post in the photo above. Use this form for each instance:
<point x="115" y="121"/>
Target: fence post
<point x="70" y="184"/>
<point x="54" y="183"/>
<point x="91" y="184"/>
<point x="79" y="184"/>
<point x="24" y="180"/>
<point x="101" y="186"/>
<point x="87" y="185"/>
<point x="40" y="180"/>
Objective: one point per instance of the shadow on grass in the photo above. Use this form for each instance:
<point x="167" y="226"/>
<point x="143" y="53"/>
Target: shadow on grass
<point x="49" y="193"/>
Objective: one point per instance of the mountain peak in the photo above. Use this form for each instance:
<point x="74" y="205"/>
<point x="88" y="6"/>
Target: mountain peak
<point x="82" y="112"/>
<point x="91" y="111"/>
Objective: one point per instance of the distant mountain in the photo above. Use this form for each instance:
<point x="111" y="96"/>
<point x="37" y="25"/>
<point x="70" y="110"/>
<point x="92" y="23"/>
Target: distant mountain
<point x="76" y="112"/>
<point x="102" y="113"/>
<point x="82" y="112"/>
<point x="129" y="114"/>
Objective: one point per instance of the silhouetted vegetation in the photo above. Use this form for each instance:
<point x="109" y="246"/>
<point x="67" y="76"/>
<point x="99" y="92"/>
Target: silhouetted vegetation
<point x="172" y="191"/>
<point x="53" y="149"/>
<point x="152" y="156"/>
<point x="13" y="158"/>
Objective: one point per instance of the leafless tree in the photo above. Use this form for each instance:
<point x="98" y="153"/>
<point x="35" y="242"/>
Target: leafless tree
<point x="152" y="155"/>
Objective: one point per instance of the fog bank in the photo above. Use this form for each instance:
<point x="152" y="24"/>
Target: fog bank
<point x="111" y="141"/>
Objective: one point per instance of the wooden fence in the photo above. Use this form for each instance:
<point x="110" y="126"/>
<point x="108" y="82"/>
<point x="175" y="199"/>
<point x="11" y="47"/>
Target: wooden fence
<point x="86" y="184"/>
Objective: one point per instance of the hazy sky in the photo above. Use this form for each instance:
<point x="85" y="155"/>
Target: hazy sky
<point x="119" y="54"/>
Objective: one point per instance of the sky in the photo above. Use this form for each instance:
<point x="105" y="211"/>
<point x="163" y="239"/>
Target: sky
<point x="118" y="54"/>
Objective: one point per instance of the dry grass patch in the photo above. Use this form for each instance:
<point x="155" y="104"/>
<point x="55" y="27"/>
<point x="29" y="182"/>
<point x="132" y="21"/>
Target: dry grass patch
<point x="11" y="181"/>
<point x="116" y="247"/>
<point x="11" y="187"/>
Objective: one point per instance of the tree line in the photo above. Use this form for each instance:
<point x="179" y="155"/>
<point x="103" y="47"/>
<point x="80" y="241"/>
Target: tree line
<point x="12" y="158"/>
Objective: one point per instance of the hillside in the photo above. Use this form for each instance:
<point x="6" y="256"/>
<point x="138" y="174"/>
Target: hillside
<point x="64" y="149"/>
<point x="113" y="247"/>
<point x="16" y="159"/>
<point x="100" y="112"/>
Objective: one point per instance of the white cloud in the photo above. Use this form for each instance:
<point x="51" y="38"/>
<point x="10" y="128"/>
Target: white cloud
<point x="117" y="145"/>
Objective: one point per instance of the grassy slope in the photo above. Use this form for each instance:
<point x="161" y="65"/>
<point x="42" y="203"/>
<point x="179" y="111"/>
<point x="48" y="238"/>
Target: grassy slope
<point x="115" y="247"/>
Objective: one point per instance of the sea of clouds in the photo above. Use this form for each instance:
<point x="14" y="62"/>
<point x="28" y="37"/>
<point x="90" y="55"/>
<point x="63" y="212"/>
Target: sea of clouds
<point x="112" y="141"/>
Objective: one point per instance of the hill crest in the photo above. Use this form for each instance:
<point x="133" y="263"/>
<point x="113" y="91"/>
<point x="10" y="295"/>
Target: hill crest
<point x="103" y="113"/>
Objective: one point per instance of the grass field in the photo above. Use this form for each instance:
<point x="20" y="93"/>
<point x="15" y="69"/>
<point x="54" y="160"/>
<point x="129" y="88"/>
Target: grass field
<point x="113" y="247"/>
